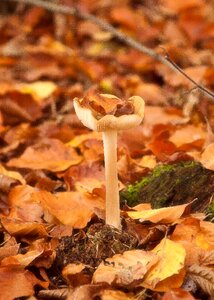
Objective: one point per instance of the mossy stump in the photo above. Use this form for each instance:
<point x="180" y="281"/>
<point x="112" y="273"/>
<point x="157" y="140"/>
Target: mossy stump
<point x="173" y="184"/>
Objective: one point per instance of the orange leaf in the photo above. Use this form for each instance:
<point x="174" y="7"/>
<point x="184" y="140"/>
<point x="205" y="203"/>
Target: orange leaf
<point x="16" y="282"/>
<point x="124" y="269"/>
<point x="163" y="215"/>
<point x="50" y="154"/>
<point x="178" y="294"/>
<point x="70" y="208"/>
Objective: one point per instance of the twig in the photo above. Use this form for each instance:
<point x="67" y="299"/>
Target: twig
<point x="118" y="34"/>
<point x="199" y="86"/>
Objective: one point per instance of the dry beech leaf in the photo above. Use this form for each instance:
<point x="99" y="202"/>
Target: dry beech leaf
<point x="207" y="157"/>
<point x="19" y="228"/>
<point x="162" y="215"/>
<point x="38" y="89"/>
<point x="188" y="234"/>
<point x="50" y="154"/>
<point x="22" y="259"/>
<point x="23" y="205"/>
<point x="193" y="233"/>
<point x="178" y="6"/>
<point x="178" y="294"/>
<point x="10" y="248"/>
<point x="203" y="276"/>
<point x="188" y="134"/>
<point x="21" y="282"/>
<point x="205" y="238"/>
<point x="115" y="295"/>
<point x="80" y="139"/>
<point x="85" y="292"/>
<point x="170" y="264"/>
<point x="70" y="208"/>
<point x="74" y="275"/>
<point x="12" y="174"/>
<point x="125" y="269"/>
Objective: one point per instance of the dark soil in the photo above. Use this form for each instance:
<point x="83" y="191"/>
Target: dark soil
<point x="91" y="248"/>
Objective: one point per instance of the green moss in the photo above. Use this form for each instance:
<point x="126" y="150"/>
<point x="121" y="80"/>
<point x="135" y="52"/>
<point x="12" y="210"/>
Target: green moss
<point x="172" y="184"/>
<point x="210" y="211"/>
<point x="161" y="169"/>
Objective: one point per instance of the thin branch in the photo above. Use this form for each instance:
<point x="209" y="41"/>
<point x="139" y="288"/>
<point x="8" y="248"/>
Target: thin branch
<point x="117" y="34"/>
<point x="199" y="86"/>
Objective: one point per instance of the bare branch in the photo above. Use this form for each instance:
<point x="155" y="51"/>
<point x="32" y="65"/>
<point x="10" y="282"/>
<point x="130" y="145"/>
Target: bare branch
<point x="117" y="34"/>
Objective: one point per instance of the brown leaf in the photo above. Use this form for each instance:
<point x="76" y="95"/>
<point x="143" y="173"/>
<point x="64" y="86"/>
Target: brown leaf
<point x="10" y="248"/>
<point x="74" y="275"/>
<point x="70" y="208"/>
<point x="115" y="295"/>
<point x="16" y="282"/>
<point x="15" y="108"/>
<point x="125" y="269"/>
<point x="207" y="157"/>
<point x="49" y="154"/>
<point x="85" y="292"/>
<point x="204" y="277"/>
<point x="12" y="174"/>
<point x="19" y="228"/>
<point x="178" y="294"/>
<point x="160" y="215"/>
<point x="23" y="206"/>
<point x="105" y="105"/>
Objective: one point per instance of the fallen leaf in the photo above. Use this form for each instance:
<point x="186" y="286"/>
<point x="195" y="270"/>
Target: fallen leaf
<point x="10" y="248"/>
<point x="16" y="282"/>
<point x="162" y="215"/>
<point x="207" y="157"/>
<point x="74" y="275"/>
<point x="125" y="269"/>
<point x="23" y="206"/>
<point x="171" y="262"/>
<point x="51" y="154"/>
<point x="38" y="89"/>
<point x="12" y="174"/>
<point x="20" y="229"/>
<point x="178" y="294"/>
<point x="115" y="295"/>
<point x="70" y="208"/>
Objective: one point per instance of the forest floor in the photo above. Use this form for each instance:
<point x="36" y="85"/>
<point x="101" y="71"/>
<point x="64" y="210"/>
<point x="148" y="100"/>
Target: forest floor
<point x="54" y="243"/>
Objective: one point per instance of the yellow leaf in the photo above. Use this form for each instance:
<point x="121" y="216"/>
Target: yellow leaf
<point x="39" y="89"/>
<point x="171" y="262"/>
<point x="163" y="215"/>
<point x="12" y="174"/>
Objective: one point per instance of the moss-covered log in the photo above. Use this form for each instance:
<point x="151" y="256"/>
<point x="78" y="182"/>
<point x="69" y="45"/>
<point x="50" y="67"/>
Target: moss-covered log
<point x="173" y="184"/>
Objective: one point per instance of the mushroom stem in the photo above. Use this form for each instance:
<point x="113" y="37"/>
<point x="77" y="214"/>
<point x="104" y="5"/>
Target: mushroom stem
<point x="112" y="191"/>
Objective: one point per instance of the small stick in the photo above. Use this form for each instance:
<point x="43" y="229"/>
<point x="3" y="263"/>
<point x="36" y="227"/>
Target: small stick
<point x="118" y="34"/>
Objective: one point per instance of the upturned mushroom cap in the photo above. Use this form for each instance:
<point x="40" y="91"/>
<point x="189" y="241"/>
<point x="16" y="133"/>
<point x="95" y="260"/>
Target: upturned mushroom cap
<point x="110" y="122"/>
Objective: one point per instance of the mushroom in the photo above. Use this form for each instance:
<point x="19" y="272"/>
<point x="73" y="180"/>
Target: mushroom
<point x="109" y="125"/>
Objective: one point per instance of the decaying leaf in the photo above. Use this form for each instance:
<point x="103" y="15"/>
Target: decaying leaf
<point x="204" y="277"/>
<point x="125" y="269"/>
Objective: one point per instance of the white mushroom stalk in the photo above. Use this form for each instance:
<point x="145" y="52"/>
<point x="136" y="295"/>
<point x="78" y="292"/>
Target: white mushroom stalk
<point x="109" y="125"/>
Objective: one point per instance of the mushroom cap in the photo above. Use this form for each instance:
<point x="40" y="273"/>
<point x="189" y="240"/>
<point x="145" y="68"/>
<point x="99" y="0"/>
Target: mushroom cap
<point x="110" y="122"/>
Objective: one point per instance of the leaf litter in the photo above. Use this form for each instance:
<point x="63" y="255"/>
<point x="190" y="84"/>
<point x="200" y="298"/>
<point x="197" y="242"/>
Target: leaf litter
<point x="54" y="243"/>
